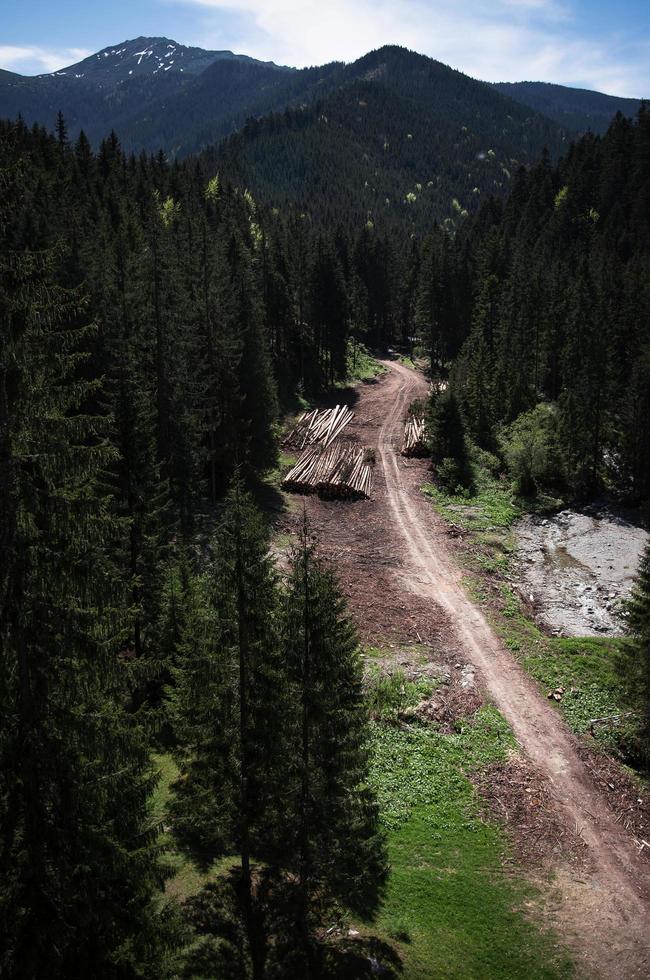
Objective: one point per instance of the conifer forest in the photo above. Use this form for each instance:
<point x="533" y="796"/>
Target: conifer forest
<point x="324" y="497"/>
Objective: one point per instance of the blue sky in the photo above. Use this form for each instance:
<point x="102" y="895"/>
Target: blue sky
<point x="600" y="44"/>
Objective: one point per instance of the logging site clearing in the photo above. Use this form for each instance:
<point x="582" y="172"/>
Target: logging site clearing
<point x="399" y="564"/>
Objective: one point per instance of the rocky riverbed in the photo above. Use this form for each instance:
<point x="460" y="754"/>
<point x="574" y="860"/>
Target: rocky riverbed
<point x="578" y="566"/>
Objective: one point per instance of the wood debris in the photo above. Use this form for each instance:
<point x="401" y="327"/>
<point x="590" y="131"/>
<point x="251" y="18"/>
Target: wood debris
<point x="415" y="437"/>
<point x="340" y="470"/>
<point x="319" y="427"/>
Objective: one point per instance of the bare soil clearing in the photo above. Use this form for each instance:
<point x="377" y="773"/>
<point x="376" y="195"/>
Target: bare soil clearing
<point x="393" y="556"/>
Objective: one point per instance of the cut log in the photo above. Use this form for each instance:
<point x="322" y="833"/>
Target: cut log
<point x="415" y="437"/>
<point x="337" y="470"/>
<point x="318" y="426"/>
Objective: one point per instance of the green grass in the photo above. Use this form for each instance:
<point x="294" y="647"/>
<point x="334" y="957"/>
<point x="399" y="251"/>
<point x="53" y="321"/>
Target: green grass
<point x="284" y="541"/>
<point x="361" y="365"/>
<point x="589" y="666"/>
<point x="450" y="909"/>
<point x="186" y="879"/>
<point x="373" y="653"/>
<point x="589" y="671"/>
<point x="387" y="694"/>
<point x="275" y="476"/>
<point x="491" y="506"/>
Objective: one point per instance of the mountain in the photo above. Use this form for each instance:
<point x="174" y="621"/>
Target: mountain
<point x="155" y="92"/>
<point x="402" y="138"/>
<point x="142" y="57"/>
<point x="577" y="109"/>
<point x="392" y="137"/>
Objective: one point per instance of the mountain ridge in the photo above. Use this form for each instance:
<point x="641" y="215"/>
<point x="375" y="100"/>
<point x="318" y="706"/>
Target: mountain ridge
<point x="157" y="54"/>
<point x="157" y="93"/>
<point x="395" y="136"/>
<point x="403" y="138"/>
<point x="575" y="108"/>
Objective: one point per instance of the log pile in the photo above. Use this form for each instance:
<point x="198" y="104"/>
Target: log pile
<point x="415" y="443"/>
<point x="340" y="470"/>
<point x="319" y="427"/>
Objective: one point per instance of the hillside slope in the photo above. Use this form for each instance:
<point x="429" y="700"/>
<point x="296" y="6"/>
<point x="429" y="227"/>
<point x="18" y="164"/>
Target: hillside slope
<point x="575" y="108"/>
<point x="403" y="138"/>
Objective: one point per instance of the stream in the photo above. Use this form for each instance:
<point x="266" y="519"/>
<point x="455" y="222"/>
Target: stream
<point x="577" y="567"/>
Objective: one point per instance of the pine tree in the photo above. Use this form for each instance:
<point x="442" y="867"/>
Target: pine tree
<point x="336" y="849"/>
<point x="79" y="872"/>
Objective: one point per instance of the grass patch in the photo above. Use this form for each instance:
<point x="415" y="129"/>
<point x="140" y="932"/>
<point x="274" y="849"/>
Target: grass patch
<point x="373" y="653"/>
<point x="185" y="879"/>
<point x="450" y="910"/>
<point x="407" y="360"/>
<point x="388" y="694"/>
<point x="491" y="506"/>
<point x="589" y="669"/>
<point x="284" y="541"/>
<point x="285" y="462"/>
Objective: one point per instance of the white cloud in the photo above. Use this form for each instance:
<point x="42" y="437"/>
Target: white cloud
<point x="32" y="59"/>
<point x="497" y="40"/>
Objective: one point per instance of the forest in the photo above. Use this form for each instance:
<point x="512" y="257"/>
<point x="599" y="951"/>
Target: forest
<point x="158" y="320"/>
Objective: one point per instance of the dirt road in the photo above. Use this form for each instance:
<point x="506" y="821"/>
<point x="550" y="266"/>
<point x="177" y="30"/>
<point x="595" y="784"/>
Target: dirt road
<point x="404" y="546"/>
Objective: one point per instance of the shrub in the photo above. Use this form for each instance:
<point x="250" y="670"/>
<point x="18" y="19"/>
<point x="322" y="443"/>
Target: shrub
<point x="530" y="447"/>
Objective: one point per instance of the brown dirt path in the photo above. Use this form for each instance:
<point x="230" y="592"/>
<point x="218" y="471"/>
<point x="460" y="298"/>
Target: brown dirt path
<point x="396" y="543"/>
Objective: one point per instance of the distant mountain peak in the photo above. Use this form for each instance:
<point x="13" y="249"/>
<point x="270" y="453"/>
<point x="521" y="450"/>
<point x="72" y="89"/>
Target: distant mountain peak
<point x="142" y="56"/>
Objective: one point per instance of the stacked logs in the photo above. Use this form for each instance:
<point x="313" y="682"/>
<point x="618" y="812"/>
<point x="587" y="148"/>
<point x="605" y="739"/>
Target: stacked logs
<point x="319" y="427"/>
<point x="415" y="437"/>
<point x="342" y="471"/>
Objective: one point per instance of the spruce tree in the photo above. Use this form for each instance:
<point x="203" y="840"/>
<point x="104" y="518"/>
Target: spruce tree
<point x="139" y="487"/>
<point x="79" y="871"/>
<point x="475" y="369"/>
<point x="639" y="622"/>
<point x="334" y="846"/>
<point x="447" y="440"/>
<point x="230" y="694"/>
<point x="256" y="385"/>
